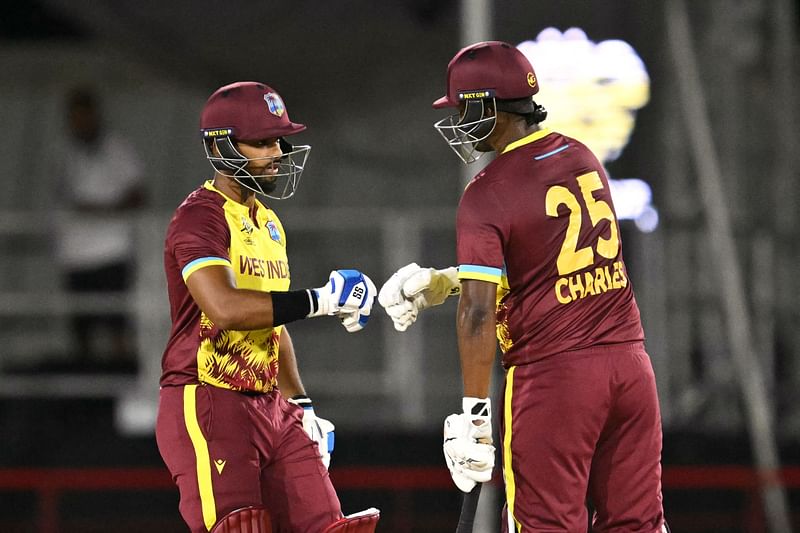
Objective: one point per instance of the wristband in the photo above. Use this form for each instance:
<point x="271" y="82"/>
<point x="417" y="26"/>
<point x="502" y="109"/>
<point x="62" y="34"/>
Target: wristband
<point x="290" y="306"/>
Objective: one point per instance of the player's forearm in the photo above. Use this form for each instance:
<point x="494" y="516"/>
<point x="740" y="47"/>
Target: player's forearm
<point x="244" y="309"/>
<point x="348" y="294"/>
<point x="477" y="345"/>
<point x="476" y="379"/>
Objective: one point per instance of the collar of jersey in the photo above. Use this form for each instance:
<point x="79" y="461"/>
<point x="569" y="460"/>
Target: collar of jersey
<point x="234" y="204"/>
<point x="535" y="136"/>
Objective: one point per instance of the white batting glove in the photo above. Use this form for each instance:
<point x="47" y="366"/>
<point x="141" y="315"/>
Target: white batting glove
<point x="349" y="295"/>
<point x="413" y="288"/>
<point x="468" y="449"/>
<point x="318" y="429"/>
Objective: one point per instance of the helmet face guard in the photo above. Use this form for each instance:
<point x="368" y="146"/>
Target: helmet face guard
<point x="463" y="132"/>
<point x="279" y="185"/>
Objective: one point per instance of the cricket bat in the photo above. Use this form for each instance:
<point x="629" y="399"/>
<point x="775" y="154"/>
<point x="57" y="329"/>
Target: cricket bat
<point x="469" y="505"/>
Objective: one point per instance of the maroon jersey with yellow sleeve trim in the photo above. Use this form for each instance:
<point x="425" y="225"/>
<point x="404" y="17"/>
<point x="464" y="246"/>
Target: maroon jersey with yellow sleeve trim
<point x="209" y="229"/>
<point x="539" y="222"/>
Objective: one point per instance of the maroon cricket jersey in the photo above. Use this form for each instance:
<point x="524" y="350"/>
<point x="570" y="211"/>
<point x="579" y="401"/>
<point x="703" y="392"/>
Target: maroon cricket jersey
<point x="539" y="222"/>
<point x="210" y="229"/>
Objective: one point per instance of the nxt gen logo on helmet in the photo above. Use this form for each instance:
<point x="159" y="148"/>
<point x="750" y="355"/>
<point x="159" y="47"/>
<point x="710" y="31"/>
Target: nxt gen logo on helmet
<point x="274" y="104"/>
<point x="219" y="132"/>
<point x="476" y="95"/>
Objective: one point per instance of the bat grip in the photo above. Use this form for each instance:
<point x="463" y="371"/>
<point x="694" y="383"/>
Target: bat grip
<point x="469" y="506"/>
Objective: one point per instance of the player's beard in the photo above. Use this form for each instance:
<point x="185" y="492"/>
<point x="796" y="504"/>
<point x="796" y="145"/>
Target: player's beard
<point x="256" y="179"/>
<point x="268" y="185"/>
<point x="265" y="185"/>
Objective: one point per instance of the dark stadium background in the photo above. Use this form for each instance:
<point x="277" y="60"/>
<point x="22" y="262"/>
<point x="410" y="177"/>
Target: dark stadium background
<point x="362" y="76"/>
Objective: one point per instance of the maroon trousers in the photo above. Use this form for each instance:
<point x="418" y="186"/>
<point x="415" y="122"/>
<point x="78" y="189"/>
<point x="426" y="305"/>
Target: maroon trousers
<point x="228" y="450"/>
<point x="577" y="425"/>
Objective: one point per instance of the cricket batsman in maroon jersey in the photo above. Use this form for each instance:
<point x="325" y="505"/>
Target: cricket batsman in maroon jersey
<point x="540" y="270"/>
<point x="235" y="427"/>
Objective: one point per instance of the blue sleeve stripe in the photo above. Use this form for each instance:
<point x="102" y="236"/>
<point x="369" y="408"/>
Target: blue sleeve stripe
<point x="197" y="264"/>
<point x="554" y="152"/>
<point x="476" y="269"/>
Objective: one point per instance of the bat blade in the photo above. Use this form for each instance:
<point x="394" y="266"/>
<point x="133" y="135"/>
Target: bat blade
<point x="469" y="506"/>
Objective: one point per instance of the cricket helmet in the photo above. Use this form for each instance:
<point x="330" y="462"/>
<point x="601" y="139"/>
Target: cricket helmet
<point x="486" y="75"/>
<point x="249" y="111"/>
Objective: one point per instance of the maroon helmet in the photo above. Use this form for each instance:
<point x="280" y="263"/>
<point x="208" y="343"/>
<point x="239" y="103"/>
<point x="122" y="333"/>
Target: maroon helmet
<point x="252" y="111"/>
<point x="489" y="71"/>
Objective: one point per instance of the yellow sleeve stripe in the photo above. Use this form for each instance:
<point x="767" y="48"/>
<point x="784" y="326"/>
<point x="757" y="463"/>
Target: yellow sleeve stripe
<point x="508" y="467"/>
<point x="202" y="459"/>
<point x="203" y="262"/>
<point x="481" y="273"/>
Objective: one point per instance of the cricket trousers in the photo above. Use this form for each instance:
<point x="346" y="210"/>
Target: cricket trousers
<point x="577" y="425"/>
<point x="227" y="450"/>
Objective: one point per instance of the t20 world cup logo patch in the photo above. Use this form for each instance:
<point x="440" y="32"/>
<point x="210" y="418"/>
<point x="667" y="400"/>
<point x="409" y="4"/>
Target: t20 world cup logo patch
<point x="274" y="104"/>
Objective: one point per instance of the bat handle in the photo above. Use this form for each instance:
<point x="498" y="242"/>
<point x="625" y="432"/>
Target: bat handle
<point x="469" y="506"/>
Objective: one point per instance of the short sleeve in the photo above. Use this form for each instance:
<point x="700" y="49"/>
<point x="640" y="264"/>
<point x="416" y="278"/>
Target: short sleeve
<point x="198" y="237"/>
<point x="479" y="235"/>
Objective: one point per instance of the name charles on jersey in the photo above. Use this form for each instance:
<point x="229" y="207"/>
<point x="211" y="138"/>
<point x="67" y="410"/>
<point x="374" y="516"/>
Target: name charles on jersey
<point x="590" y="283"/>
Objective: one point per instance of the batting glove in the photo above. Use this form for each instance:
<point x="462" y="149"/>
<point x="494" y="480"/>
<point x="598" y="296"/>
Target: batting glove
<point x="468" y="449"/>
<point x="318" y="429"/>
<point x="413" y="289"/>
<point x="349" y="295"/>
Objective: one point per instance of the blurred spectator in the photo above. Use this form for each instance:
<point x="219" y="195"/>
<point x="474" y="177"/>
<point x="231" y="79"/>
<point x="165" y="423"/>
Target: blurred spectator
<point x="101" y="184"/>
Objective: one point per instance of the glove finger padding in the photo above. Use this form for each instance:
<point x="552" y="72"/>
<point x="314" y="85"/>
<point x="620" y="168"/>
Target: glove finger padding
<point x="391" y="291"/>
<point x="400" y="309"/>
<point x="356" y="319"/>
<point x="402" y="314"/>
<point x="468" y="451"/>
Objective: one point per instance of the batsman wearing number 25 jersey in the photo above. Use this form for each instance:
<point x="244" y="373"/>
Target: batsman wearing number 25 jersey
<point x="580" y="408"/>
<point x="540" y="270"/>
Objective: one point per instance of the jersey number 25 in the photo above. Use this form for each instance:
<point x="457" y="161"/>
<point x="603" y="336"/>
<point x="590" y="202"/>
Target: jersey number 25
<point x="572" y="258"/>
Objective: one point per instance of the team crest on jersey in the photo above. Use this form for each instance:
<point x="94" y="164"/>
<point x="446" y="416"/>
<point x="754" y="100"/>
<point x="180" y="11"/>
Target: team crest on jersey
<point x="274" y="104"/>
<point x="247" y="229"/>
<point x="274" y="233"/>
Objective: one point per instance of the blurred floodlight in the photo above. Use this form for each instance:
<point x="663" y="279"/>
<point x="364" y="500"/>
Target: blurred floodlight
<point x="591" y="92"/>
<point x="647" y="222"/>
<point x="632" y="201"/>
